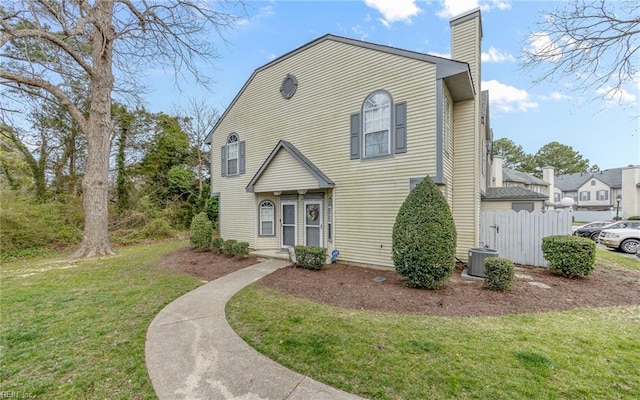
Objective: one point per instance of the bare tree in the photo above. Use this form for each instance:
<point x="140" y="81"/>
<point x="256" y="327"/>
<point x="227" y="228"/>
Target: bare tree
<point x="45" y="43"/>
<point x="593" y="43"/>
<point x="197" y="121"/>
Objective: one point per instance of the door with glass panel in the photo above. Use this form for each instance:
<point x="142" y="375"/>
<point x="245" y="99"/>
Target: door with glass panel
<point x="313" y="223"/>
<point x="288" y="224"/>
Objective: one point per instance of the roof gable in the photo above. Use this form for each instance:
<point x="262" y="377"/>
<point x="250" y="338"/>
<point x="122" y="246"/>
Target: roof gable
<point x="323" y="180"/>
<point x="572" y="182"/>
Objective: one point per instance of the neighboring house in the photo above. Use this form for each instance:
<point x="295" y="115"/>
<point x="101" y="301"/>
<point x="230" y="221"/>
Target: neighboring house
<point x="322" y="145"/>
<point x="598" y="191"/>
<point x="514" y="190"/>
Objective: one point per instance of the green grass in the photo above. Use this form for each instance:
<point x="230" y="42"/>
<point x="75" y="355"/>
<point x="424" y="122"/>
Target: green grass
<point x="589" y="353"/>
<point x="76" y="329"/>
<point x="615" y="260"/>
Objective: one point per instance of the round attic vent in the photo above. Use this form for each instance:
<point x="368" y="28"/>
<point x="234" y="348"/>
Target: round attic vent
<point x="289" y="86"/>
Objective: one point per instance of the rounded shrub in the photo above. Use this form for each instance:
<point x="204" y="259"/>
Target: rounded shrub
<point x="201" y="232"/>
<point x="241" y="249"/>
<point x="424" y="237"/>
<point x="499" y="273"/>
<point x="568" y="255"/>
<point x="229" y="247"/>
<point x="218" y="245"/>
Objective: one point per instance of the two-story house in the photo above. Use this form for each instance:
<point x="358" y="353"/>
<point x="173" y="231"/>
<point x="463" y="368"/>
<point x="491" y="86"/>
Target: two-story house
<point x="599" y="191"/>
<point x="322" y="145"/>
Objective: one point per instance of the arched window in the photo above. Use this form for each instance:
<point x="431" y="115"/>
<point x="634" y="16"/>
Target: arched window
<point x="232" y="154"/>
<point x="267" y="216"/>
<point x="377" y="124"/>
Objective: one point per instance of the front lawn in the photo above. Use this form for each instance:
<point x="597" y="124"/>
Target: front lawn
<point x="585" y="353"/>
<point x="76" y="330"/>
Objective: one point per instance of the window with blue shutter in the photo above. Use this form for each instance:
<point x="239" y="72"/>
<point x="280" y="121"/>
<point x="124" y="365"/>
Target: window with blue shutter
<point x="381" y="128"/>
<point x="232" y="156"/>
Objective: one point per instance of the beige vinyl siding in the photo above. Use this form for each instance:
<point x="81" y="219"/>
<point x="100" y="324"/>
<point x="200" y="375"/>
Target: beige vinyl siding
<point x="465" y="47"/>
<point x="447" y="157"/>
<point x="368" y="192"/>
<point x="593" y="191"/>
<point x="285" y="173"/>
<point x="466" y="178"/>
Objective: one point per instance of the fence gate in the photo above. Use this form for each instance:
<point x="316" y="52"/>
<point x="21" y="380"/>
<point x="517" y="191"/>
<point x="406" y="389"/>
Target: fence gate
<point x="518" y="235"/>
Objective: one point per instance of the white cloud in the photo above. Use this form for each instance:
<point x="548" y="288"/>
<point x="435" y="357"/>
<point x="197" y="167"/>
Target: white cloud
<point x="451" y="8"/>
<point x="507" y="98"/>
<point x="541" y="46"/>
<point x="262" y="13"/>
<point x="496" y="56"/>
<point x="559" y="96"/>
<point x="438" y="54"/>
<point x="618" y="95"/>
<point x="394" y="11"/>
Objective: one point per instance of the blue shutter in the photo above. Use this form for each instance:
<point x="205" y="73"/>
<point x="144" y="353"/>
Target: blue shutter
<point x="223" y="161"/>
<point x="355" y="136"/>
<point x="241" y="158"/>
<point x="401" y="128"/>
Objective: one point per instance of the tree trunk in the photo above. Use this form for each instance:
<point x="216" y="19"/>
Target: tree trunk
<point x="95" y="184"/>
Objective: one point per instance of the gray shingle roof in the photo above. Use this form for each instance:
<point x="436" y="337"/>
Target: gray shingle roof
<point x="571" y="182"/>
<point x="512" y="193"/>
<point x="512" y="175"/>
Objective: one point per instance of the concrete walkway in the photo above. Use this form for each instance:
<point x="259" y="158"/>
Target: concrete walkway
<point x="192" y="352"/>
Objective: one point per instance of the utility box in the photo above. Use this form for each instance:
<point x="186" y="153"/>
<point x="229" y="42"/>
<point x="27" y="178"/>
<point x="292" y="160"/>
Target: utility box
<point x="477" y="256"/>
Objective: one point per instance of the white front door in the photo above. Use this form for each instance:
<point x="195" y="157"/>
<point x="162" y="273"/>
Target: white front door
<point x="313" y="223"/>
<point x="288" y="230"/>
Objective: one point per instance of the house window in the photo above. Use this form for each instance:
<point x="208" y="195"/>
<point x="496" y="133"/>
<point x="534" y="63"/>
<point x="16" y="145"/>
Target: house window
<point x="585" y="196"/>
<point x="232" y="154"/>
<point x="593" y="182"/>
<point x="377" y="125"/>
<point x="267" y="218"/>
<point x="448" y="123"/>
<point x="602" y="195"/>
<point x="556" y="197"/>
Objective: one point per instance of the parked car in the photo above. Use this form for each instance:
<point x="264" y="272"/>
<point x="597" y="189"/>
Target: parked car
<point x="593" y="224"/>
<point x="624" y="239"/>
<point x="594" y="232"/>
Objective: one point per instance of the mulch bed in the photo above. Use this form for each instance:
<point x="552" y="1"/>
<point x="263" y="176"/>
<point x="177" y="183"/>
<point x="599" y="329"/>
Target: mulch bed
<point x="347" y="286"/>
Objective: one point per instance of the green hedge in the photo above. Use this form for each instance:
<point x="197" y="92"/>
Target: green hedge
<point x="424" y="237"/>
<point x="499" y="273"/>
<point x="241" y="249"/>
<point x="218" y="245"/>
<point x="200" y="232"/>
<point x="310" y="257"/>
<point x="228" y="247"/>
<point x="568" y="255"/>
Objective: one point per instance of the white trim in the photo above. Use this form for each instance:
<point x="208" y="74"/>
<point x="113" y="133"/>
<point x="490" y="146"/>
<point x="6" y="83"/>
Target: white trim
<point x="295" y="222"/>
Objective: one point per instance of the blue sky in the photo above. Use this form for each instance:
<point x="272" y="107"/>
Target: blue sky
<point x="606" y="131"/>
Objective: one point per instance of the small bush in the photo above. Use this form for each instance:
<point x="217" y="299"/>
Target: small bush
<point x="310" y="257"/>
<point x="499" y="273"/>
<point x="200" y="233"/>
<point x="424" y="237"/>
<point x="228" y="247"/>
<point x="634" y="218"/>
<point x="218" y="245"/>
<point x="241" y="249"/>
<point x="158" y="228"/>
<point x="571" y="256"/>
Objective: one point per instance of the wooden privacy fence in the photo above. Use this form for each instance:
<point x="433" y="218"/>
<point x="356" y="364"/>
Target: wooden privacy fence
<point x="518" y="235"/>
